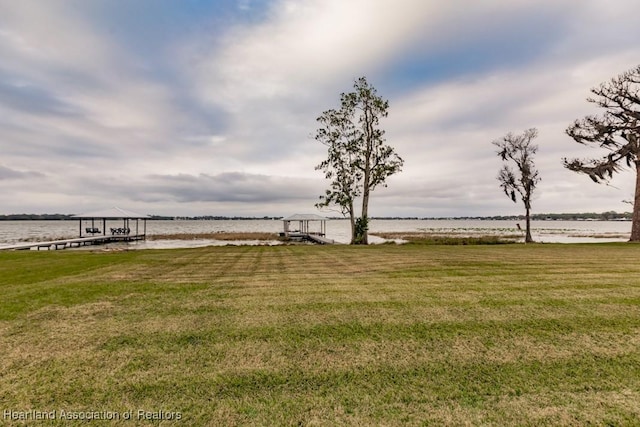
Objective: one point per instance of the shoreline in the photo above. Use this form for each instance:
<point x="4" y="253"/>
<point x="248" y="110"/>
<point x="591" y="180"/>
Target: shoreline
<point x="202" y="233"/>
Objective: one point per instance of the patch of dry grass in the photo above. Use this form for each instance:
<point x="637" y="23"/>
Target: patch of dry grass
<point x="451" y="237"/>
<point x="216" y="236"/>
<point x="384" y="335"/>
<point x="600" y="235"/>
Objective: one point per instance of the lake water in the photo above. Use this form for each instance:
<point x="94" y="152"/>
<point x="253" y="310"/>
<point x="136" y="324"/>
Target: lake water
<point x="543" y="231"/>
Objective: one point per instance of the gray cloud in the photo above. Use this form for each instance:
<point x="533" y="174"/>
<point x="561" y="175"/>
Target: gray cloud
<point x="167" y="114"/>
<point x="12" y="174"/>
<point x="33" y="100"/>
<point x="228" y="187"/>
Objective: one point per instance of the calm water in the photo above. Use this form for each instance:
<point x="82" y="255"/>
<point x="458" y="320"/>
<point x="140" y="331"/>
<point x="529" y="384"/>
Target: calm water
<point x="543" y="231"/>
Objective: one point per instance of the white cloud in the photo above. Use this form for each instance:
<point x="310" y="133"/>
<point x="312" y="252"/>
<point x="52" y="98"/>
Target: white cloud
<point x="303" y="45"/>
<point x="447" y="131"/>
<point x="233" y="109"/>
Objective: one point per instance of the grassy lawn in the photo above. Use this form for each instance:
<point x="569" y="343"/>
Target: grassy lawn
<point x="309" y="335"/>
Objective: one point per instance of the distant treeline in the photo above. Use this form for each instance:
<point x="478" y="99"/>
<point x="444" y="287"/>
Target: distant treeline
<point x="31" y="217"/>
<point x="55" y="217"/>
<point x="216" y="217"/>
<point x="50" y="217"/>
<point x="604" y="216"/>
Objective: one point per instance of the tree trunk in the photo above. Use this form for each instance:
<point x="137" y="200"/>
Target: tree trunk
<point x="635" y="223"/>
<point x="365" y="215"/>
<point x="528" y="238"/>
<point x="368" y="136"/>
<point x="352" y="219"/>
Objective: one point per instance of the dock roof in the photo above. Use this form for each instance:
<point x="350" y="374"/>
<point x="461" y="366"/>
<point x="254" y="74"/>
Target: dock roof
<point x="112" y="213"/>
<point x="305" y="217"/>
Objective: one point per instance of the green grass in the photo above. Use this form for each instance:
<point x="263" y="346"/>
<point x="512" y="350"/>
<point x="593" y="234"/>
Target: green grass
<point x="336" y="335"/>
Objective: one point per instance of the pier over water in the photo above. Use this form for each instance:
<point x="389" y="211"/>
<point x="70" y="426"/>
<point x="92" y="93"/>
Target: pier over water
<point x="92" y="230"/>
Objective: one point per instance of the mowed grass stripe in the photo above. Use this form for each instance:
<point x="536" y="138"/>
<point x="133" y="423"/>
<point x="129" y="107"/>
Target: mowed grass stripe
<point x="494" y="335"/>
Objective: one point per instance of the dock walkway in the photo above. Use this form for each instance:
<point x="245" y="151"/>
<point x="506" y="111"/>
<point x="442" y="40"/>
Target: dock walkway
<point x="311" y="237"/>
<point x="319" y="239"/>
<point x="71" y="243"/>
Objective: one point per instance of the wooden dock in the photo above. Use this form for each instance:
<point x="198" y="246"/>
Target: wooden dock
<point x="311" y="237"/>
<point x="73" y="243"/>
<point x="321" y="240"/>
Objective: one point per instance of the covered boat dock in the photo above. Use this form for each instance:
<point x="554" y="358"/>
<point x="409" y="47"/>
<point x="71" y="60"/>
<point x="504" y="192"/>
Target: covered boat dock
<point x="304" y="229"/>
<point x="87" y="223"/>
<point x="94" y="228"/>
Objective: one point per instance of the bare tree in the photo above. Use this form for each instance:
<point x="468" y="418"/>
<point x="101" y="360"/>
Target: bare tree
<point x="358" y="158"/>
<point x="617" y="130"/>
<point x="519" y="150"/>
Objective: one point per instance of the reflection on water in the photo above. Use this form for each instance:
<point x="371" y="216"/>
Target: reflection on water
<point x="338" y="230"/>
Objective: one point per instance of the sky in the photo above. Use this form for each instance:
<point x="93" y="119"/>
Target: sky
<point x="195" y="107"/>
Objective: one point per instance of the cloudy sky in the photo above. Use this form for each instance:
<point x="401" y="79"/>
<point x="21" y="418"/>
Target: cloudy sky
<point x="192" y="107"/>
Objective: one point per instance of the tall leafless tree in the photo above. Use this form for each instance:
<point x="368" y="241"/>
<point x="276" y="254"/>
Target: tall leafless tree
<point x="519" y="150"/>
<point x="617" y="130"/>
